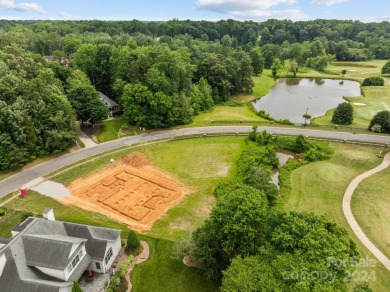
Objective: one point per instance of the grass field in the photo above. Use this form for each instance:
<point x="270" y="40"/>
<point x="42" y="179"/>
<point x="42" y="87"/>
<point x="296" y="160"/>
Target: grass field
<point x="371" y="205"/>
<point x="165" y="272"/>
<point x="109" y="130"/>
<point x="375" y="98"/>
<point x="225" y="113"/>
<point x="199" y="164"/>
<point x="319" y="187"/>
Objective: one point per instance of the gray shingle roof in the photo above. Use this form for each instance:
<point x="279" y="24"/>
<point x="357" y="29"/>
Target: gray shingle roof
<point x="96" y="248"/>
<point x="106" y="100"/>
<point x="48" y="243"/>
<point x="48" y="251"/>
<point x="5" y="240"/>
<point x="19" y="277"/>
<point x="18" y="228"/>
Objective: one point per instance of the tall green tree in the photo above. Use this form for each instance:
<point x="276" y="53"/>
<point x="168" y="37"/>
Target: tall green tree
<point x="257" y="60"/>
<point x="85" y="59"/>
<point x="343" y="114"/>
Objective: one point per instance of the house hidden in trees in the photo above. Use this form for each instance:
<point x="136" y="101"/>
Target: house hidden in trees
<point x="110" y="104"/>
<point x="47" y="255"/>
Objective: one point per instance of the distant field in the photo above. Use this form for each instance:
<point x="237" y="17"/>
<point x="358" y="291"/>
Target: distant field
<point x="319" y="187"/>
<point x="374" y="98"/>
<point x="226" y="113"/>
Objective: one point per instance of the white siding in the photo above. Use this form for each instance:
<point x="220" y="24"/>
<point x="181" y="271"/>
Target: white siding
<point x="92" y="267"/>
<point x="3" y="261"/>
<point x="62" y="275"/>
<point x="54" y="273"/>
<point x="66" y="289"/>
<point x="116" y="246"/>
<point x="67" y="274"/>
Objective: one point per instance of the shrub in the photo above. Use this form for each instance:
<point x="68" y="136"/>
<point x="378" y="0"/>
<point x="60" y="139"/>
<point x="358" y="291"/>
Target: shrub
<point x="133" y="240"/>
<point x="381" y="119"/>
<point x="377" y="128"/>
<point x="116" y="279"/>
<point x="76" y="287"/>
<point x="386" y="68"/>
<point x="373" y="81"/>
<point x="343" y="114"/>
<point x="344" y="72"/>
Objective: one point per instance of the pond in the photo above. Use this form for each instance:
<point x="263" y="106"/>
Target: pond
<point x="291" y="97"/>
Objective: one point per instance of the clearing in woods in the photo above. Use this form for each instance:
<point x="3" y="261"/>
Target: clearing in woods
<point x="130" y="190"/>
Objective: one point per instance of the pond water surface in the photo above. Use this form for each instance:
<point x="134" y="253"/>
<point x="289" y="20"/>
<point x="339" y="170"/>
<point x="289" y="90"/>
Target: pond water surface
<point x="291" y="97"/>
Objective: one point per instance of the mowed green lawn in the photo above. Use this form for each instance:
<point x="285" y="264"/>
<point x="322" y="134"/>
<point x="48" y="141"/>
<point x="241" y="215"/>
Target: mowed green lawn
<point x="199" y="164"/>
<point x="371" y="205"/>
<point x="225" y="114"/>
<point x="109" y="130"/>
<point x="165" y="271"/>
<point x="319" y="187"/>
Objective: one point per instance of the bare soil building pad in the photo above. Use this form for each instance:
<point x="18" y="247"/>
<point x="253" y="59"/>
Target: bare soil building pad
<point x="130" y="190"/>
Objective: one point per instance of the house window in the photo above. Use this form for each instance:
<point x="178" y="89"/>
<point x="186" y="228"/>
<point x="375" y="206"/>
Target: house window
<point x="97" y="266"/>
<point x="75" y="261"/>
<point x="108" y="256"/>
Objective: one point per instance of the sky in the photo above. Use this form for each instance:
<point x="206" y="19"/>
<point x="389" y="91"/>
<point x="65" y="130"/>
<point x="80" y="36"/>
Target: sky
<point x="212" y="10"/>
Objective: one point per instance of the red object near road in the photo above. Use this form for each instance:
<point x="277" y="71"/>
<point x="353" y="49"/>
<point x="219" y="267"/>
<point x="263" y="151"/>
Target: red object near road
<point x="23" y="191"/>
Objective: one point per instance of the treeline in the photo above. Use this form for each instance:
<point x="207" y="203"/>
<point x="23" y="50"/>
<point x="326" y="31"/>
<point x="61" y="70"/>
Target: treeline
<point x="348" y="40"/>
<point x="161" y="73"/>
<point x="36" y="117"/>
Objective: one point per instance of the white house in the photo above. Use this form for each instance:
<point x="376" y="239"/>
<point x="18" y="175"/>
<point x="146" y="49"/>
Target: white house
<point x="48" y="255"/>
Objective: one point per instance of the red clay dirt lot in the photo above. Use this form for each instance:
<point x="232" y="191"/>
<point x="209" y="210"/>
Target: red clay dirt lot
<point x="130" y="190"/>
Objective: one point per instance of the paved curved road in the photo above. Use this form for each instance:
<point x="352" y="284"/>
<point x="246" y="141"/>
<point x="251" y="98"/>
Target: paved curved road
<point x="16" y="181"/>
<point x="351" y="219"/>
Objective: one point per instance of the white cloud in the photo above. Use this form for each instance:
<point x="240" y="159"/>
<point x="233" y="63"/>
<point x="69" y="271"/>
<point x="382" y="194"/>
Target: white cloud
<point x="264" y="14"/>
<point x="240" y="5"/>
<point x="328" y="2"/>
<point x="10" y="18"/>
<point x="375" y="19"/>
<point x="10" y="4"/>
<point x="252" y="9"/>
<point x="65" y="14"/>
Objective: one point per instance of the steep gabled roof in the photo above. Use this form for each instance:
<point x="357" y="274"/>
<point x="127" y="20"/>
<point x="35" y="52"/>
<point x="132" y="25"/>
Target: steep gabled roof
<point x="49" y="251"/>
<point x="106" y="100"/>
<point x="96" y="247"/>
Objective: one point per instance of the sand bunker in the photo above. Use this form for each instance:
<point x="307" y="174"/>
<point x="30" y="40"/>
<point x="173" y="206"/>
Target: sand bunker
<point x="130" y="190"/>
<point x="359" y="104"/>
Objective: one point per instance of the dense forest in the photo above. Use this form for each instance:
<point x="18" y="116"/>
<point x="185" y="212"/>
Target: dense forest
<point x="161" y="73"/>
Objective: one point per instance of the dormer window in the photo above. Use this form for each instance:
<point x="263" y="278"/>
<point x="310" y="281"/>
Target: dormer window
<point x="75" y="261"/>
<point x="108" y="256"/>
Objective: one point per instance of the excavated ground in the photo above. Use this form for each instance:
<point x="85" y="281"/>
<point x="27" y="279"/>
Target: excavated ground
<point x="130" y="190"/>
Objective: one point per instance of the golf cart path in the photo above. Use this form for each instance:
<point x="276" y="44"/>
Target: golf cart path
<point x="351" y="219"/>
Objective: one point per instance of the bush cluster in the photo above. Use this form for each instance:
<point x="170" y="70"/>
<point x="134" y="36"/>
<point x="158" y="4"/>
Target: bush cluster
<point x="373" y="81"/>
<point x="116" y="279"/>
